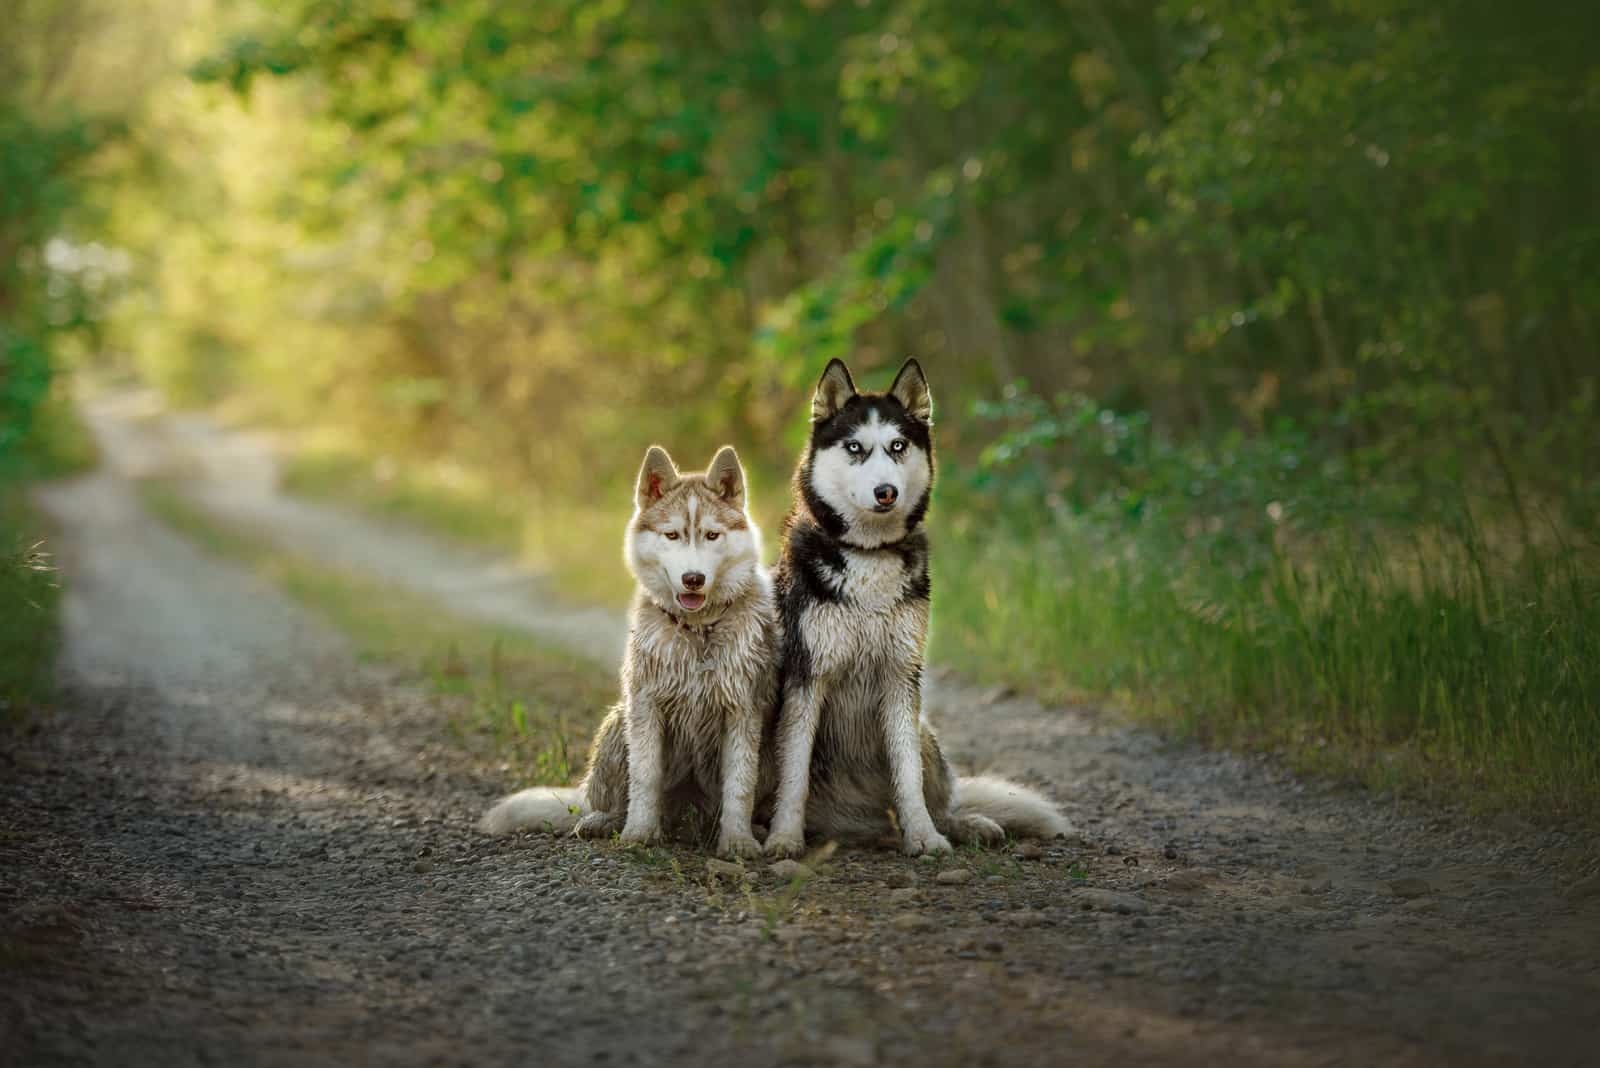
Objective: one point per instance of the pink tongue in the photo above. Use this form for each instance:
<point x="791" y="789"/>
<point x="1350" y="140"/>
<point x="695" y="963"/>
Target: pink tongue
<point x="691" y="601"/>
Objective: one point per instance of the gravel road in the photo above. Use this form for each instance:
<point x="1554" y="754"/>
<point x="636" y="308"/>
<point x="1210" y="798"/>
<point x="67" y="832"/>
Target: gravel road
<point x="236" y="844"/>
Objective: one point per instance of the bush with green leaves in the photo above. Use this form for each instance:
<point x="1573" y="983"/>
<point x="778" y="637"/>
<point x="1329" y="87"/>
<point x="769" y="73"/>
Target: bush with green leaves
<point x="1268" y="597"/>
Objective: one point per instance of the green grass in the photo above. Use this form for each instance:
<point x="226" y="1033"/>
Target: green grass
<point x="1420" y="668"/>
<point x="57" y="446"/>
<point x="511" y="697"/>
<point x="28" y="590"/>
<point x="584" y="543"/>
<point x="58" y="443"/>
<point x="580" y="539"/>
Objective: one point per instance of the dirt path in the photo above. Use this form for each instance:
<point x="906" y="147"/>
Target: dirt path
<point x="236" y="845"/>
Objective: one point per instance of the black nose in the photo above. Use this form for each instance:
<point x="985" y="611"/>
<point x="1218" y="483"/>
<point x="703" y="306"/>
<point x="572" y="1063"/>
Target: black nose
<point x="886" y="494"/>
<point x="693" y="580"/>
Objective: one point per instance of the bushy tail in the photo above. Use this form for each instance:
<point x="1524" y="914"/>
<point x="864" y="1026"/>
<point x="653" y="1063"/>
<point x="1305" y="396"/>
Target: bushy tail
<point x="555" y="809"/>
<point x="1024" y="813"/>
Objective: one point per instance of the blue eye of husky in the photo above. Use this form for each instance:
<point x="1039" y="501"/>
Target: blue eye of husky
<point x="853" y="448"/>
<point x="898" y="445"/>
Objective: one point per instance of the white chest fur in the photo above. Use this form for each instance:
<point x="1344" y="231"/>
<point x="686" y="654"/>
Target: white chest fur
<point x="875" y="581"/>
<point x="872" y="625"/>
<point x="697" y="668"/>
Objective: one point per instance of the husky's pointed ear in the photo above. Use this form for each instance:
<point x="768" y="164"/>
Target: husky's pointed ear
<point x="835" y="389"/>
<point x="656" y="477"/>
<point x="726" y="476"/>
<point x="911" y="389"/>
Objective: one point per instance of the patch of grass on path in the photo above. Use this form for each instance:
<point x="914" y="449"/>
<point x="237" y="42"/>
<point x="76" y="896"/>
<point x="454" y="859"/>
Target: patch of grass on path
<point x="29" y="605"/>
<point x="57" y="445"/>
<point x="551" y="535"/>
<point x="511" y="697"/>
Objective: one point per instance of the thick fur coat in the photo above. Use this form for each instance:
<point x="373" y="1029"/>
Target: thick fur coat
<point x="699" y="677"/>
<point x="853" y="596"/>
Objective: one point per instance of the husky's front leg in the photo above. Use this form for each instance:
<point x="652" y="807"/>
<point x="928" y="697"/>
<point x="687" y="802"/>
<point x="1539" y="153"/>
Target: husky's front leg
<point x="797" y="732"/>
<point x="902" y="725"/>
<point x="741" y="763"/>
<point x="645" y="761"/>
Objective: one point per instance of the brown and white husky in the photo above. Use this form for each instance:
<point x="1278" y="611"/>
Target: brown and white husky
<point x="699" y="678"/>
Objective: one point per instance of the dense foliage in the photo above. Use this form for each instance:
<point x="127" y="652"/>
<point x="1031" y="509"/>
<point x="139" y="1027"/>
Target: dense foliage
<point x="1373" y="216"/>
<point x="44" y="145"/>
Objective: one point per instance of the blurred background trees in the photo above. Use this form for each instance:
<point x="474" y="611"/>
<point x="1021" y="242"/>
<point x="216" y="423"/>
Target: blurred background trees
<point x="46" y="140"/>
<point x="460" y="221"/>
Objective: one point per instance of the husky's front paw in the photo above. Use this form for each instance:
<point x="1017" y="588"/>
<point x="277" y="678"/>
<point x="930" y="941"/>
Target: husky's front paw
<point x="640" y="833"/>
<point x="926" y="841"/>
<point x="739" y="846"/>
<point x="785" y="844"/>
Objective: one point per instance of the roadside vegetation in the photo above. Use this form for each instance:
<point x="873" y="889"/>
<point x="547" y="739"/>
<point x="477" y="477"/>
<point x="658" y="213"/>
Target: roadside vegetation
<point x="57" y="445"/>
<point x="30" y="596"/>
<point x="582" y="539"/>
<point x="1253" y="596"/>
<point x="509" y="696"/>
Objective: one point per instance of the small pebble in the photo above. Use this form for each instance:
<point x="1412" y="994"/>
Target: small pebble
<point x="1109" y="901"/>
<point x="724" y="869"/>
<point x="1023" y="917"/>
<point x="1584" y="890"/>
<point x="790" y="869"/>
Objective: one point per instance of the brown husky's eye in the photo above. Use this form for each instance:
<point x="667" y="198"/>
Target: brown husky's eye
<point x="713" y="535"/>
<point x="672" y="535"/>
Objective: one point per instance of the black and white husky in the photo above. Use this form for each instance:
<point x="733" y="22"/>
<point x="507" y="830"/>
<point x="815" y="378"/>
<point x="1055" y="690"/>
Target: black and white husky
<point x="699" y="678"/>
<point x="852" y="588"/>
